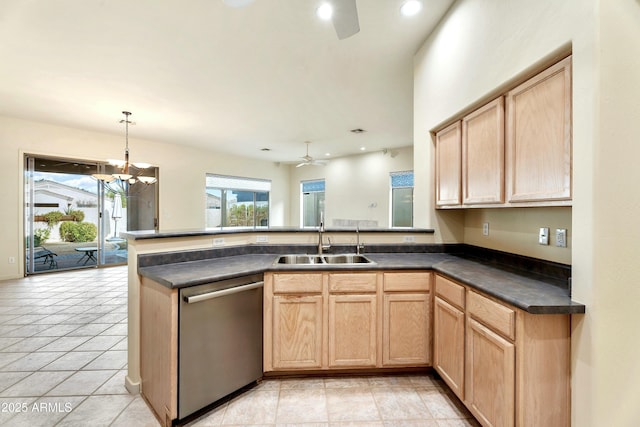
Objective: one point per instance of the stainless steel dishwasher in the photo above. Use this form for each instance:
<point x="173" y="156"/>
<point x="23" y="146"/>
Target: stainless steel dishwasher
<point x="219" y="341"/>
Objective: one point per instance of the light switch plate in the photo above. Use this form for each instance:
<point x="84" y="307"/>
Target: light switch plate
<point x="561" y="237"/>
<point x="543" y="236"/>
<point x="262" y="239"/>
<point x="485" y="229"/>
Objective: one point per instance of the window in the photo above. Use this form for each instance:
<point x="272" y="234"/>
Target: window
<point x="312" y="202"/>
<point x="402" y="199"/>
<point x="236" y="202"/>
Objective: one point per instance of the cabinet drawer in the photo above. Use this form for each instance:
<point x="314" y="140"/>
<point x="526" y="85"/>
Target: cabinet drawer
<point x="352" y="282"/>
<point x="297" y="283"/>
<point x="450" y="291"/>
<point x="493" y="314"/>
<point x="407" y="281"/>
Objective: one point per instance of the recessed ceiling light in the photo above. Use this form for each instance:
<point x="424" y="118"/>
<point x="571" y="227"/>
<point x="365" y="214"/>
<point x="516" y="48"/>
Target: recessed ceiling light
<point x="410" y="7"/>
<point x="265" y="149"/>
<point x="363" y="148"/>
<point x="237" y="3"/>
<point x="357" y="130"/>
<point x="325" y="11"/>
<point x="327" y="154"/>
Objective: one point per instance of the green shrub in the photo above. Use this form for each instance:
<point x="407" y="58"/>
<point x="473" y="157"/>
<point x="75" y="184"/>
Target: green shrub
<point x="41" y="235"/>
<point x="77" y="215"/>
<point x="52" y="218"/>
<point x="78" y="231"/>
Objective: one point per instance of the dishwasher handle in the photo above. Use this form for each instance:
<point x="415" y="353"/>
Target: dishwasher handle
<point x="222" y="293"/>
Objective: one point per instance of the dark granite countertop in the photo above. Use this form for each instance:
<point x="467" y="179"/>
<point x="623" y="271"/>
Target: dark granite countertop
<point x="529" y="294"/>
<point x="161" y="234"/>
<point x="191" y="273"/>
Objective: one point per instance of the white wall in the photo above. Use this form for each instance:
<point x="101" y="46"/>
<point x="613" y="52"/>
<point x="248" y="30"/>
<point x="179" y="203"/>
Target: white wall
<point x="482" y="47"/>
<point x="615" y="232"/>
<point x="182" y="176"/>
<point x="357" y="187"/>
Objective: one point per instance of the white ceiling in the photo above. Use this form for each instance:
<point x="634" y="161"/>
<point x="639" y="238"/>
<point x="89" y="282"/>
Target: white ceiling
<point x="201" y="73"/>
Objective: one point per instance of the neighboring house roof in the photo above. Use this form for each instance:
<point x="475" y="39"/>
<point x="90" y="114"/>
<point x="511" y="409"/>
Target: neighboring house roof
<point x="63" y="188"/>
<point x="54" y="194"/>
<point x="47" y="191"/>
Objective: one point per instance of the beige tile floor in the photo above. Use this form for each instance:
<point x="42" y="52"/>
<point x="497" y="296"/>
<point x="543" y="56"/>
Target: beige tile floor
<point x="63" y="359"/>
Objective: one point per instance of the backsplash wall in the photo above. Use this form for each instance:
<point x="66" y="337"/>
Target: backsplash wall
<point x="515" y="230"/>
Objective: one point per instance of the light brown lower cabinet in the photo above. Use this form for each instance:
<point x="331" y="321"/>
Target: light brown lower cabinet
<point x="516" y="365"/>
<point x="407" y="317"/>
<point x="159" y="348"/>
<point x="352" y="331"/>
<point x="295" y="308"/>
<point x="347" y="320"/>
<point x="406" y="334"/>
<point x="508" y="366"/>
<point x="297" y="331"/>
<point x="448" y="344"/>
<point x="490" y="379"/>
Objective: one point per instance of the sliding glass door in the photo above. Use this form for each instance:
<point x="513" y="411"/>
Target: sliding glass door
<point x="72" y="220"/>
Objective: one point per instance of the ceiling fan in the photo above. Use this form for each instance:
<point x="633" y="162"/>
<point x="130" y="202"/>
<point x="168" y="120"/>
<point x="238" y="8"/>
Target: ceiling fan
<point x="308" y="160"/>
<point x="343" y="14"/>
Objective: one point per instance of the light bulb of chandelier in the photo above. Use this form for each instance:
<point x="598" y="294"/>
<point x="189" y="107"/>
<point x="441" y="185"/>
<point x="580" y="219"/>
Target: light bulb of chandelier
<point x="103" y="177"/>
<point x="142" y="165"/>
<point x="147" y="179"/>
<point x="123" y="176"/>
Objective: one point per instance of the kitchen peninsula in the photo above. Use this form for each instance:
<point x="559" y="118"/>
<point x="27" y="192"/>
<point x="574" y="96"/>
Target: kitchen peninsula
<point x="524" y="309"/>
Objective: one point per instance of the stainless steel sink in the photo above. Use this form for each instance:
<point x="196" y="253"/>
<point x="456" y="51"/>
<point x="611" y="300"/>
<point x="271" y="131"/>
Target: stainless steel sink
<point x="323" y="259"/>
<point x="347" y="259"/>
<point x="300" y="259"/>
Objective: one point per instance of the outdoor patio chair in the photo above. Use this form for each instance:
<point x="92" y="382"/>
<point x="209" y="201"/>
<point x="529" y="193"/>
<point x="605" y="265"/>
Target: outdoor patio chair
<point x="47" y="255"/>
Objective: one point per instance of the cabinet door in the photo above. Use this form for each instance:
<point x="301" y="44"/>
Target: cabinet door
<point x="352" y="330"/>
<point x="406" y="329"/>
<point x="539" y="137"/>
<point x="490" y="376"/>
<point x="483" y="154"/>
<point x="448" y="159"/>
<point x="297" y="331"/>
<point x="159" y="348"/>
<point x="448" y="345"/>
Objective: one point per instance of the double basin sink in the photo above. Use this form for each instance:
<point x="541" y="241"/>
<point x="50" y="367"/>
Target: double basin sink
<point x="323" y="259"/>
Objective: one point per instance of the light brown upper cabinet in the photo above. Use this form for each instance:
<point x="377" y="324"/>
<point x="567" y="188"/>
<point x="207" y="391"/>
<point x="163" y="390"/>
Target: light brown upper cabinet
<point x="538" y="147"/>
<point x="483" y="155"/>
<point x="513" y="151"/>
<point x="448" y="155"/>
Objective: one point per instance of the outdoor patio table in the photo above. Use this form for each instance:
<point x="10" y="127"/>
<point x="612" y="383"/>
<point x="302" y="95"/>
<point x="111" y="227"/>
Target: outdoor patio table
<point x="89" y="253"/>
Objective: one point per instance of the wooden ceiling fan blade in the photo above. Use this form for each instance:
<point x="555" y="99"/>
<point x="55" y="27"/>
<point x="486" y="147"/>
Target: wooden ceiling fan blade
<point x="345" y="18"/>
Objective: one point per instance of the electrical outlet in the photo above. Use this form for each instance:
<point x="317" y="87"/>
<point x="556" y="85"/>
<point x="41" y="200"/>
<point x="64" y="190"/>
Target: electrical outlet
<point x="485" y="229"/>
<point x="262" y="239"/>
<point x="543" y="236"/>
<point x="12" y="260"/>
<point x="561" y="237"/>
<point x="409" y="239"/>
<point x="219" y="241"/>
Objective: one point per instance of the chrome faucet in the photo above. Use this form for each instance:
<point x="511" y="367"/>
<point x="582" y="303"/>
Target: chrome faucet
<point x="321" y="245"/>
<point x="358" y="245"/>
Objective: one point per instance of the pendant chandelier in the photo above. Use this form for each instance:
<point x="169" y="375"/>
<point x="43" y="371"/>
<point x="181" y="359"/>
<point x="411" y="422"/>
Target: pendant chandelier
<point x="127" y="171"/>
